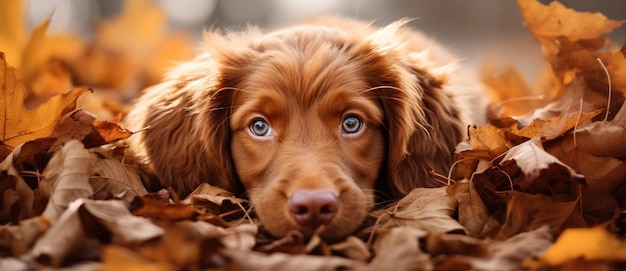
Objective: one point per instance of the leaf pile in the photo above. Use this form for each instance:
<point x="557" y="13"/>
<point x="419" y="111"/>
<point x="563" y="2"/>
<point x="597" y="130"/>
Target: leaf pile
<point x="541" y="186"/>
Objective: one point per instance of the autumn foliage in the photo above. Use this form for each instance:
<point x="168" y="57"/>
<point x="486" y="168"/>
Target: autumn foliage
<point x="541" y="186"/>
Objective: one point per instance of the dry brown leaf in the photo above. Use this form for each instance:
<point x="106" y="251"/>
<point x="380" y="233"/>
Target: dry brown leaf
<point x="487" y="142"/>
<point x="21" y="125"/>
<point x="428" y="209"/>
<point x="601" y="173"/>
<point x="503" y="255"/>
<point x="68" y="173"/>
<point x="620" y="117"/>
<point x="214" y="194"/>
<point x="74" y="125"/>
<point x="114" y="179"/>
<point x="602" y="139"/>
<point x="17" y="239"/>
<point x="557" y="20"/>
<point x="149" y="206"/>
<point x="472" y="213"/>
<point x="542" y="172"/>
<point x="65" y="234"/>
<point x="106" y="132"/>
<point x="556" y="126"/>
<point x="85" y="218"/>
<point x="186" y="244"/>
<point x="578" y="98"/>
<point x="399" y="249"/>
<point x="248" y="260"/>
<point x="527" y="212"/>
<point x="571" y="41"/>
<point x="437" y="244"/>
<point x="16" y="193"/>
<point x="292" y="243"/>
<point x="352" y="248"/>
<point x="125" y="228"/>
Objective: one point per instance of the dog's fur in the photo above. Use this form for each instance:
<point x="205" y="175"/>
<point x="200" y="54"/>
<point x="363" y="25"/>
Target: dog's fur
<point x="304" y="80"/>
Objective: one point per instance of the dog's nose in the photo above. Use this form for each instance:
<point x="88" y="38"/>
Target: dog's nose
<point x="313" y="207"/>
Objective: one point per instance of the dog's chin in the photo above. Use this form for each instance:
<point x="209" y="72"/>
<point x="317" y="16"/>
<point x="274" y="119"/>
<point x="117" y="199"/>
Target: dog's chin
<point x="277" y="220"/>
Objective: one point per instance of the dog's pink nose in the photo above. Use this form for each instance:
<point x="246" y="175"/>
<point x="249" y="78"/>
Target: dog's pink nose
<point x="313" y="207"/>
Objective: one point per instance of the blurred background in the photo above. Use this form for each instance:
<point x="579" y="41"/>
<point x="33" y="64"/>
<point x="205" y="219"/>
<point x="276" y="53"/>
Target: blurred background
<point x="479" y="31"/>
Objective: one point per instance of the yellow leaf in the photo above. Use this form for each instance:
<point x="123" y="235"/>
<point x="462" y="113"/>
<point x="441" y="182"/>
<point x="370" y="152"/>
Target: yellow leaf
<point x="41" y="49"/>
<point x="487" y="142"/>
<point x="509" y="88"/>
<point x="587" y="243"/>
<point x="139" y="26"/>
<point x="20" y="124"/>
<point x="12" y="29"/>
<point x="556" y="20"/>
<point x="556" y="126"/>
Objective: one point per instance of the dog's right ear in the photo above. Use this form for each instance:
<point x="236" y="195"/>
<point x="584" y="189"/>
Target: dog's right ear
<point x="188" y="140"/>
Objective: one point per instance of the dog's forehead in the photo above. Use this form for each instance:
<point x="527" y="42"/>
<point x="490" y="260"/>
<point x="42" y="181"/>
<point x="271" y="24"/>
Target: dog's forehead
<point x="304" y="67"/>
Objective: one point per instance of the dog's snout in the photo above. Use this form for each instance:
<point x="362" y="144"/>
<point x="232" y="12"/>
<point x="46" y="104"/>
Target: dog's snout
<point x="313" y="207"/>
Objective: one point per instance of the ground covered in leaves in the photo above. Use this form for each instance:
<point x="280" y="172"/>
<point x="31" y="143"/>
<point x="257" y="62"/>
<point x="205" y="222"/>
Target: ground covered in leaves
<point x="542" y="186"/>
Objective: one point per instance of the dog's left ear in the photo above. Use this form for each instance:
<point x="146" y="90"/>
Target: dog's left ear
<point x="422" y="116"/>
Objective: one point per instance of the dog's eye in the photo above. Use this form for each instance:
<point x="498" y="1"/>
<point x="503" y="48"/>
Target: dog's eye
<point x="351" y="125"/>
<point x="260" y="128"/>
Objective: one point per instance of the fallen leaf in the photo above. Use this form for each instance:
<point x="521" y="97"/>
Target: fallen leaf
<point x="590" y="244"/>
<point x="511" y="95"/>
<point x="556" y="20"/>
<point x="487" y="142"/>
<point x="428" y="209"/>
<point x="17" y="239"/>
<point x="248" y="260"/>
<point x="526" y="212"/>
<point x="399" y="248"/>
<point x="601" y="173"/>
<point x="472" y="213"/>
<point x="68" y="172"/>
<point x="148" y="206"/>
<point x="602" y="139"/>
<point x="502" y="255"/>
<point x="120" y="258"/>
<point x="21" y="125"/>
<point x="66" y="234"/>
<point x="292" y="243"/>
<point x="214" y="194"/>
<point x="437" y="244"/>
<point x="125" y="228"/>
<point x="85" y="218"/>
<point x="352" y="248"/>
<point x="542" y="172"/>
<point x="16" y="193"/>
<point x="556" y="126"/>
<point x="113" y="178"/>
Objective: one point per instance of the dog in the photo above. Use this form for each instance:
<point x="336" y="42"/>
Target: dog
<point x="315" y="120"/>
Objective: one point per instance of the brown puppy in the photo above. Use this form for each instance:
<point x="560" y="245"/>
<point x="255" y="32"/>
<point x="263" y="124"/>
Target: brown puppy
<point x="310" y="119"/>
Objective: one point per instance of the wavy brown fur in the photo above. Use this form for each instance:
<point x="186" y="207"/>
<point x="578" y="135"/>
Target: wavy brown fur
<point x="198" y="116"/>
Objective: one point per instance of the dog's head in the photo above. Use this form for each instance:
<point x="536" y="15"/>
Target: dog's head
<point x="311" y="120"/>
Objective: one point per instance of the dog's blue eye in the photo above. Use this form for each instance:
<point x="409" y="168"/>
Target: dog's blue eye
<point x="260" y="128"/>
<point x="351" y="125"/>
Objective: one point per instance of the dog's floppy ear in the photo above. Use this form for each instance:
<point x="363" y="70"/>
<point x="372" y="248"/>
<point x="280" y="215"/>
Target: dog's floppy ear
<point x="189" y="112"/>
<point x="422" y="118"/>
